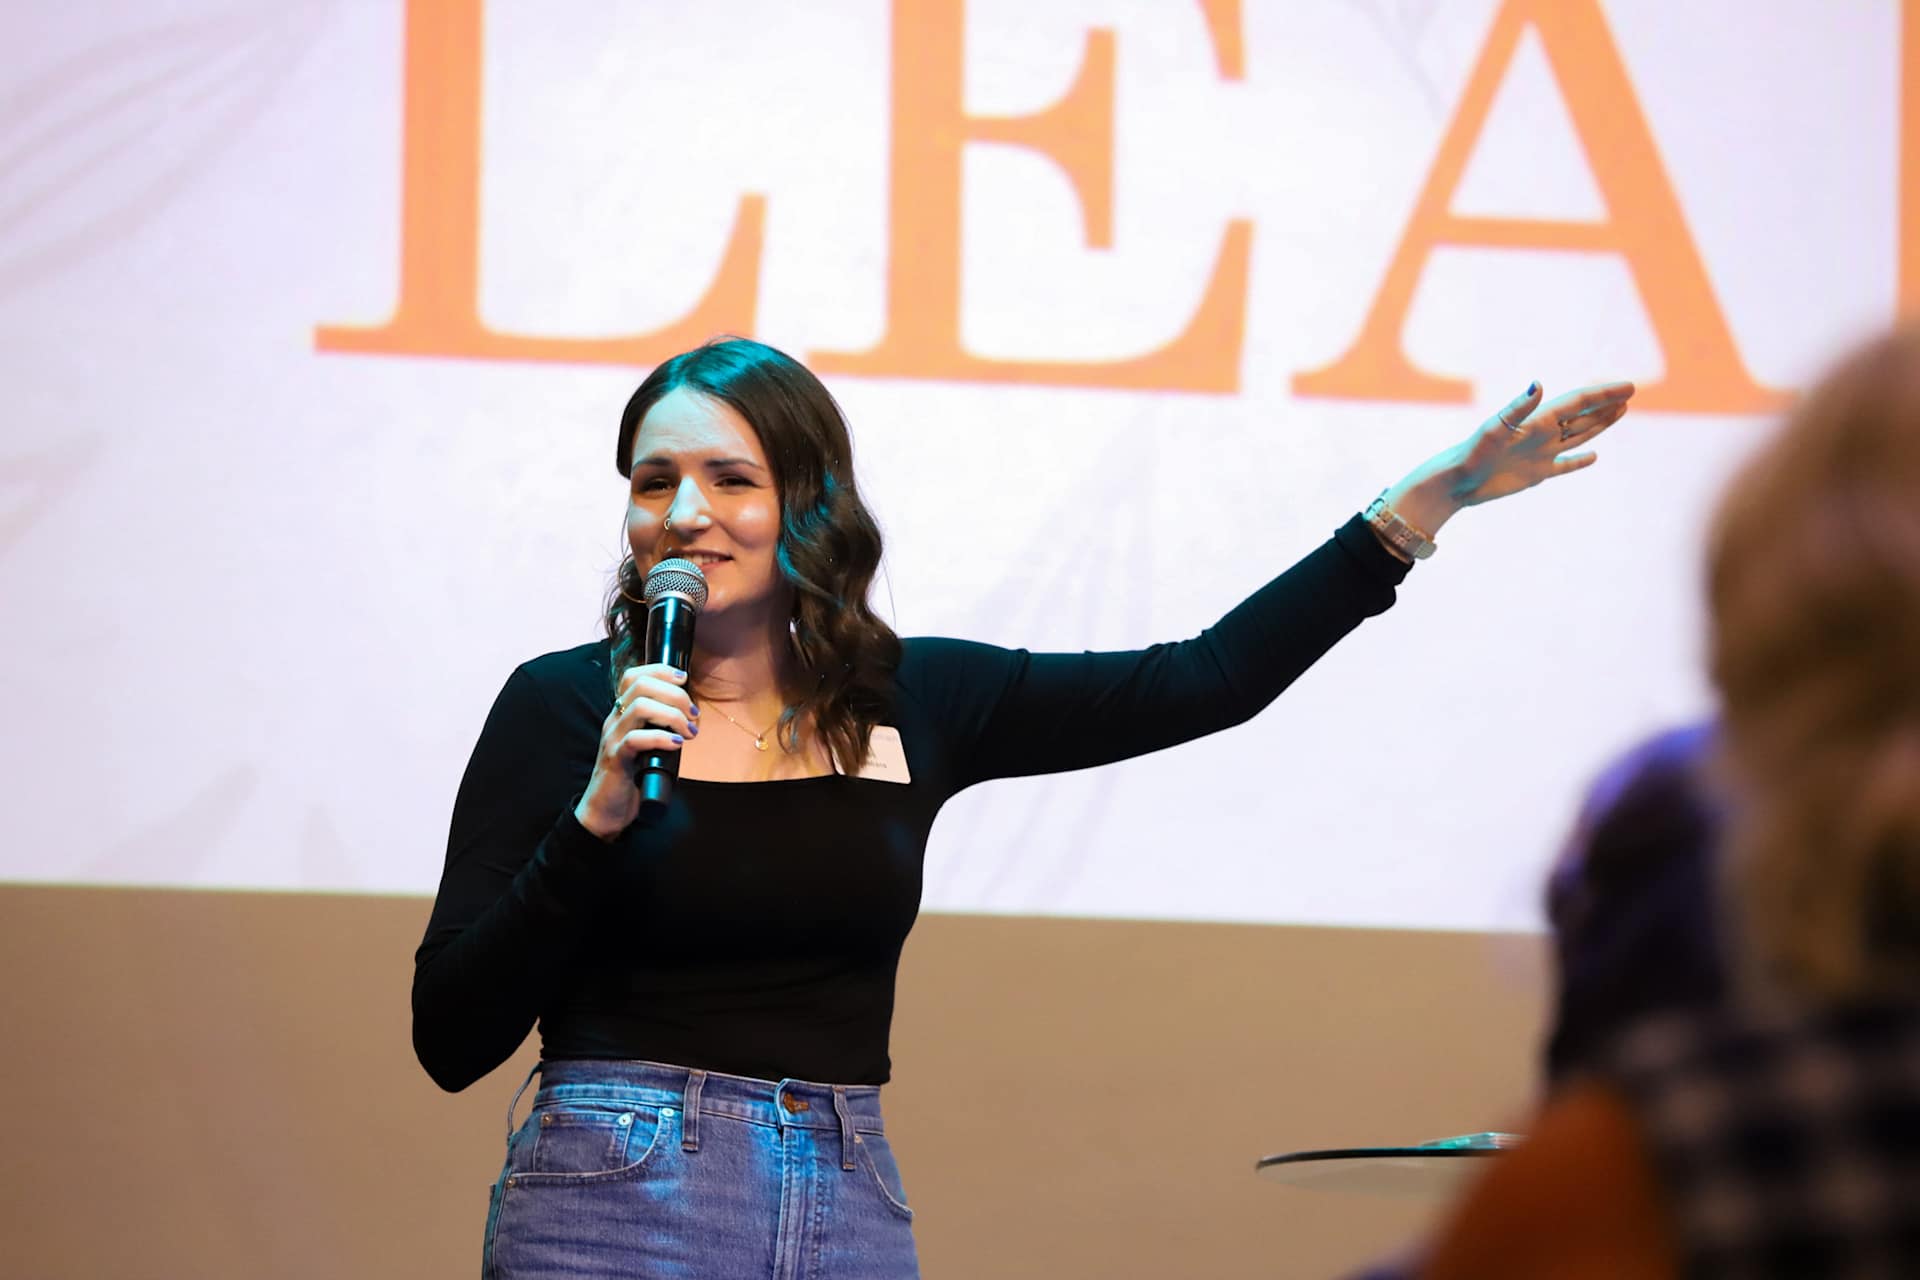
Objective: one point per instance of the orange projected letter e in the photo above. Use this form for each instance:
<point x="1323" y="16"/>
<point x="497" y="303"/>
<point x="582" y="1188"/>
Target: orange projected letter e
<point x="931" y="129"/>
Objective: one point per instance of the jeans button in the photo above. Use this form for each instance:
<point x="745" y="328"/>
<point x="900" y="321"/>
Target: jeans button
<point x="793" y="1105"/>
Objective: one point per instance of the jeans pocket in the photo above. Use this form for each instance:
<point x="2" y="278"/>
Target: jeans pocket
<point x="877" y="1158"/>
<point x="580" y="1143"/>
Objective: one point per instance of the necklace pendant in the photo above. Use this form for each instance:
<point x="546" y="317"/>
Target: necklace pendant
<point x="760" y="742"/>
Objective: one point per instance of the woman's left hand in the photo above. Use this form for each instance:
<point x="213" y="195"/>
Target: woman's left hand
<point x="1528" y="442"/>
<point x="1515" y="449"/>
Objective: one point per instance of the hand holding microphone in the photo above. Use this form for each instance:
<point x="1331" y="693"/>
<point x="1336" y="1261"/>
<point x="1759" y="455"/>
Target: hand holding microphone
<point x="652" y="714"/>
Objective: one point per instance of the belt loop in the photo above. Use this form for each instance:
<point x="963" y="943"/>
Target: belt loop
<point x="845" y="1113"/>
<point x="690" y="1111"/>
<point x="516" y="1098"/>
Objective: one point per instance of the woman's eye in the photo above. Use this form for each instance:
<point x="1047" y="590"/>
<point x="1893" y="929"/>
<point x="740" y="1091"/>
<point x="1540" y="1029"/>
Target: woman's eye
<point x="657" y="484"/>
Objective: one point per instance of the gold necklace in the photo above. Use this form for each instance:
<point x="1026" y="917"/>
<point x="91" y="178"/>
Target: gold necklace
<point x="759" y="739"/>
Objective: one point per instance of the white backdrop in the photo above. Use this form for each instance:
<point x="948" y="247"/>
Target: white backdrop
<point x="259" y="595"/>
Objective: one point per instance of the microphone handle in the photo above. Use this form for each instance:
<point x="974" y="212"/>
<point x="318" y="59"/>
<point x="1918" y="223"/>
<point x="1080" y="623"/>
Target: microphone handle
<point x="669" y="640"/>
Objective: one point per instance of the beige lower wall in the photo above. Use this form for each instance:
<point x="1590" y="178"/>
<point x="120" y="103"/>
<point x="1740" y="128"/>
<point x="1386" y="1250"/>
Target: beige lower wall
<point x="220" y="1085"/>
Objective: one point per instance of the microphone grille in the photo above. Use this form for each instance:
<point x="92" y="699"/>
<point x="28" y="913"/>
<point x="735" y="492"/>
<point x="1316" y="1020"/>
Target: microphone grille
<point x="677" y="578"/>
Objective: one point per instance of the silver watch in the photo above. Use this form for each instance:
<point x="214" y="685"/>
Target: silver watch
<point x="1397" y="531"/>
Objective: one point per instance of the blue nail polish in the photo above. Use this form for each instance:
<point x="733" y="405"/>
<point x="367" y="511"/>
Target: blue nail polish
<point x="1533" y="388"/>
<point x="693" y="728"/>
<point x="677" y="739"/>
<point x="693" y="708"/>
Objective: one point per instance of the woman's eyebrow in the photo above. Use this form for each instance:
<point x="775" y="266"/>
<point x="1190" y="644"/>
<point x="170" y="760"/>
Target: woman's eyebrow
<point x="662" y="460"/>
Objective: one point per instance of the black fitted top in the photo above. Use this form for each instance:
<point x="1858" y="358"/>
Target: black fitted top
<point x="756" y="929"/>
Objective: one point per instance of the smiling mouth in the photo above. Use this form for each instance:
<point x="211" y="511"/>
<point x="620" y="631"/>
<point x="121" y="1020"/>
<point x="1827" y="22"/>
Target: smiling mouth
<point x="703" y="560"/>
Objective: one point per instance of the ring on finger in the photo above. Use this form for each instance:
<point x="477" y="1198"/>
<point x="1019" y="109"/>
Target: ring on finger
<point x="1516" y="428"/>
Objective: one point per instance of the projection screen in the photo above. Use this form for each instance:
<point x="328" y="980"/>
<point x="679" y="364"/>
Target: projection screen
<point x="319" y="318"/>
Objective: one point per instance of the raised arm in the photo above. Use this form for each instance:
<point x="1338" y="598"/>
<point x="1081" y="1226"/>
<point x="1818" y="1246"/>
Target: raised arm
<point x="1011" y="713"/>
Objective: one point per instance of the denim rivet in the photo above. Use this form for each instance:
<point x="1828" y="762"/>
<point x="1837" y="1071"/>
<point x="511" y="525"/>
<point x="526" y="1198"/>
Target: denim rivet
<point x="512" y="1181"/>
<point x="856" y="1137"/>
<point x="666" y="1113"/>
<point x="547" y="1119"/>
<point x="626" y="1119"/>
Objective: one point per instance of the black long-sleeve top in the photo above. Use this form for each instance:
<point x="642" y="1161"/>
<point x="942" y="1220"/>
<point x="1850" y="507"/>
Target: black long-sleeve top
<point x="756" y="929"/>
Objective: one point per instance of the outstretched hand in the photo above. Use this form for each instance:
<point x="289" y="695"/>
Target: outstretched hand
<point x="1515" y="449"/>
<point x="1528" y="441"/>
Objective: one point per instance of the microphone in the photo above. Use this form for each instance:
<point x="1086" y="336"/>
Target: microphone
<point x="675" y="592"/>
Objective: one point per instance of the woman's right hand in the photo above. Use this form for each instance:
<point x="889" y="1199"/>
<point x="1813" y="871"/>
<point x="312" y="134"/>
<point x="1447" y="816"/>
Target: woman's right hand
<point x="651" y="712"/>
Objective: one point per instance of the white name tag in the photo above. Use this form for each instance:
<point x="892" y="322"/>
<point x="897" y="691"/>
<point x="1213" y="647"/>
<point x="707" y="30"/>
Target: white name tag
<point x="886" y="758"/>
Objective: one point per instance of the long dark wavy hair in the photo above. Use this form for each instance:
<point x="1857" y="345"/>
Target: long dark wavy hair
<point x="829" y="547"/>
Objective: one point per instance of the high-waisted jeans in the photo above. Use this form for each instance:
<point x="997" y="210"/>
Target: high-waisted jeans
<point x="635" y="1169"/>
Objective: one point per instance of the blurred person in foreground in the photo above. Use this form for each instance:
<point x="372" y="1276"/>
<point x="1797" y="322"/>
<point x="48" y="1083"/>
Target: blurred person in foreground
<point x="1631" y="902"/>
<point x="1632" y="913"/>
<point x="1780" y="1135"/>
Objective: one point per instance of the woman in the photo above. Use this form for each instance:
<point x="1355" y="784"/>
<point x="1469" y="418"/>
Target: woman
<point x="1779" y="1137"/>
<point x="714" y="989"/>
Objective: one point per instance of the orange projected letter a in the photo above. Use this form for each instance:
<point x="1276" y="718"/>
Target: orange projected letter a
<point x="438" y="311"/>
<point x="1644" y="226"/>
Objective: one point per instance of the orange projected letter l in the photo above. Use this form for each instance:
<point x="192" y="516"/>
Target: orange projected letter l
<point x="438" y="310"/>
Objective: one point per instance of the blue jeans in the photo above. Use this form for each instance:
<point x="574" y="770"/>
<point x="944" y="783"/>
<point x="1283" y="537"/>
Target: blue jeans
<point x="635" y="1169"/>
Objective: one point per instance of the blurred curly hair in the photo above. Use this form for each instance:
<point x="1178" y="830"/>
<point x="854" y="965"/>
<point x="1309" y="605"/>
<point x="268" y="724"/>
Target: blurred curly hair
<point x="1814" y="590"/>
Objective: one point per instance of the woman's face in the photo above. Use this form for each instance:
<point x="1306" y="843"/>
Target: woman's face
<point x="702" y="490"/>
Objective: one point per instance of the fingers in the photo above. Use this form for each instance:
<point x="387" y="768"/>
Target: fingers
<point x="643" y="712"/>
<point x="654" y="672"/>
<point x="657" y="682"/>
<point x="1516" y="411"/>
<point x="652" y="712"/>
<point x="1587" y="400"/>
<point x="1583" y="427"/>
<point x="1582" y="416"/>
<point x="1586" y="411"/>
<point x="641" y="741"/>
